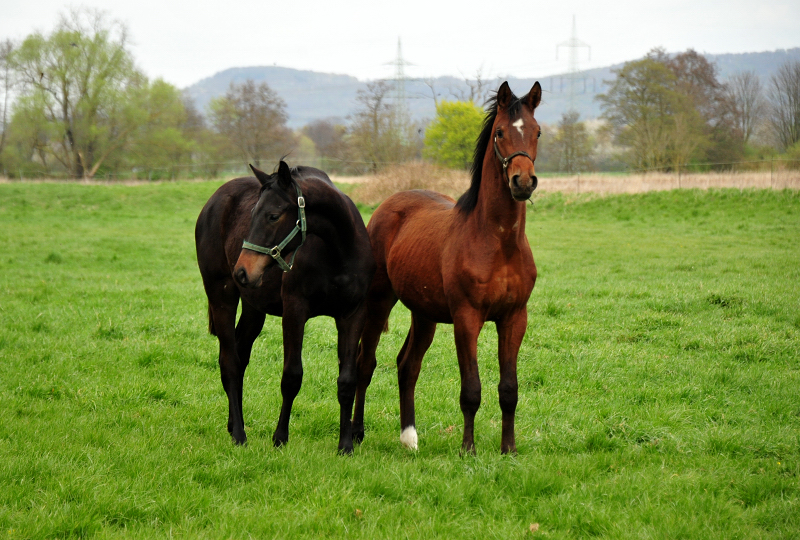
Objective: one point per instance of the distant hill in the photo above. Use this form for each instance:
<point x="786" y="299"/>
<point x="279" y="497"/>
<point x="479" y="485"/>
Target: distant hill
<point x="311" y="95"/>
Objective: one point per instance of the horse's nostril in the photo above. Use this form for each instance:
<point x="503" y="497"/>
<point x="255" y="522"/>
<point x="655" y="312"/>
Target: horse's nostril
<point x="241" y="276"/>
<point x="515" y="181"/>
<point x="534" y="182"/>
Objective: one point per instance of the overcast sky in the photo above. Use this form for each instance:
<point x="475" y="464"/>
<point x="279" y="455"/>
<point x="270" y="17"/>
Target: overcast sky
<point x="183" y="42"/>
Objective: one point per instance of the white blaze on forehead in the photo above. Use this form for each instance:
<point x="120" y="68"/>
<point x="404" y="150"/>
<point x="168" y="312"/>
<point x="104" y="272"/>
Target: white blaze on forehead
<point x="518" y="124"/>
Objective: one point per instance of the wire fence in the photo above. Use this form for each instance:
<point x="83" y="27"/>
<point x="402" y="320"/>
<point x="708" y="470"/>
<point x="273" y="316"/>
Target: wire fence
<point x="773" y="173"/>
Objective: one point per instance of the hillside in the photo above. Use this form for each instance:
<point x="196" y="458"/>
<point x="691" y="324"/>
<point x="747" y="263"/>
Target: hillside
<point x="311" y="95"/>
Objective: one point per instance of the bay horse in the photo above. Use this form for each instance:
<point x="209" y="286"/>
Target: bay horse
<point x="461" y="262"/>
<point x="330" y="275"/>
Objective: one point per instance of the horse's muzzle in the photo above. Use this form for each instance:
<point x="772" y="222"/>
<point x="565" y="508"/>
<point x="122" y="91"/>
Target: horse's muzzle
<point x="522" y="186"/>
<point x="250" y="268"/>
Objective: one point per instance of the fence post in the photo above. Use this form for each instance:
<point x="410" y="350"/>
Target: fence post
<point x="771" y="169"/>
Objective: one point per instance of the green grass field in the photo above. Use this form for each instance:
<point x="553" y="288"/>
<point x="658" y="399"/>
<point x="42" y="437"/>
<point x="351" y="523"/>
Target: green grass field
<point x="659" y="384"/>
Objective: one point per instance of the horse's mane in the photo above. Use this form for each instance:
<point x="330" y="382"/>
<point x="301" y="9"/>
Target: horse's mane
<point x="467" y="202"/>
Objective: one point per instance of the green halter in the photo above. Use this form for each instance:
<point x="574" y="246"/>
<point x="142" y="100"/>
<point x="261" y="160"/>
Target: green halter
<point x="300" y="226"/>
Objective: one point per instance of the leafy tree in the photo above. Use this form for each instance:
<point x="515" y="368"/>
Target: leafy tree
<point x="669" y="111"/>
<point x="640" y="105"/>
<point x="377" y="135"/>
<point x="81" y="87"/>
<point x="162" y="141"/>
<point x="784" y="96"/>
<point x="252" y="117"/>
<point x="450" y="138"/>
<point x="710" y="120"/>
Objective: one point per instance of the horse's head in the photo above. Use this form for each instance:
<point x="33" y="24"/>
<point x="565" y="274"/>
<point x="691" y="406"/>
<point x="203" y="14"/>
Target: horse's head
<point x="275" y="228"/>
<point x="515" y="138"/>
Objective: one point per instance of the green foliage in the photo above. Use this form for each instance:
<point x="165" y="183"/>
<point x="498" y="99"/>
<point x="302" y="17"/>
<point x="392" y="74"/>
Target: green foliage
<point x="669" y="111"/>
<point x="450" y="138"/>
<point x="658" y="384"/>
<point x="84" y="109"/>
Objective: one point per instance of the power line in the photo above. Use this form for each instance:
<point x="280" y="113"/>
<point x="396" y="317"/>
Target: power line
<point x="574" y="45"/>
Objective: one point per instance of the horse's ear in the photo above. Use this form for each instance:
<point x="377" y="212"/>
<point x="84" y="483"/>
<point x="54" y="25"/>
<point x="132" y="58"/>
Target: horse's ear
<point x="284" y="175"/>
<point x="534" y="96"/>
<point x="504" y="96"/>
<point x="262" y="177"/>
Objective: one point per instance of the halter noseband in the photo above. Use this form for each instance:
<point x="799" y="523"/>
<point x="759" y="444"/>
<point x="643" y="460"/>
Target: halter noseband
<point x="300" y="226"/>
<point x="506" y="160"/>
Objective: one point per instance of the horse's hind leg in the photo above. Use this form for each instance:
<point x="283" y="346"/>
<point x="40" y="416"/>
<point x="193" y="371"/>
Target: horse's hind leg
<point x="409" y="362"/>
<point x="349" y="330"/>
<point x="380" y="302"/>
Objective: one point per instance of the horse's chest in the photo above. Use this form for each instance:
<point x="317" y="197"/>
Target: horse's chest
<point x="497" y="287"/>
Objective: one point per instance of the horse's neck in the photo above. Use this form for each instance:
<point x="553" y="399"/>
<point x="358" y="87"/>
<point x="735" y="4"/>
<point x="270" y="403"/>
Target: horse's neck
<point x="496" y="209"/>
<point x="330" y="219"/>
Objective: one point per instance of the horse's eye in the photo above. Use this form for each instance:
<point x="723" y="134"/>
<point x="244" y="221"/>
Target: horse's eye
<point x="274" y="217"/>
<point x="539" y="134"/>
<point x="500" y="133"/>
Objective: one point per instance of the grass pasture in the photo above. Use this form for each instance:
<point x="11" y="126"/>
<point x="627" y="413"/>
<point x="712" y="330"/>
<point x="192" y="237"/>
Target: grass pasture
<point x="659" y="384"/>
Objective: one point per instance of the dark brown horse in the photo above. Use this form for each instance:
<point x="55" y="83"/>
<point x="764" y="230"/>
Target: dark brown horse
<point x="306" y="253"/>
<point x="462" y="263"/>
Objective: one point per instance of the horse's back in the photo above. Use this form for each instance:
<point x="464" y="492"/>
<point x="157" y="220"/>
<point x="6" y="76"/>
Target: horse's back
<point x="417" y="208"/>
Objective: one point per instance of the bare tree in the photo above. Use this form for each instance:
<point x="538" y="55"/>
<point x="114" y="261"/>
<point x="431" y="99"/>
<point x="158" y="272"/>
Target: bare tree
<point x="328" y="138"/>
<point x="746" y="97"/>
<point x="571" y="147"/>
<point x="784" y="96"/>
<point x="252" y="117"/>
<point x="477" y="89"/>
<point x="376" y="135"/>
<point x="6" y="85"/>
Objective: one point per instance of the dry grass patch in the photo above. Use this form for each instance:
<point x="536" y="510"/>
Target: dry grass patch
<point x="413" y="175"/>
<point x="640" y="183"/>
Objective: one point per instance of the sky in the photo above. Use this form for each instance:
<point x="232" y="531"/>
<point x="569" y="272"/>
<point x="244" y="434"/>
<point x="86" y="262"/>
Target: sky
<point x="184" y="42"/>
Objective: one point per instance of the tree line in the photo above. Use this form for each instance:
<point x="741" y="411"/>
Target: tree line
<point x="74" y="104"/>
<point x="668" y="111"/>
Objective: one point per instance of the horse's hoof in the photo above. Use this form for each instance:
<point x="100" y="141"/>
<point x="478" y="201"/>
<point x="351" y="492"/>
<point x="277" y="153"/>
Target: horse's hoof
<point x="358" y="434"/>
<point x="346" y="450"/>
<point x="409" y="438"/>
<point x="239" y="439"/>
<point x="468" y="450"/>
<point x="279" y="440"/>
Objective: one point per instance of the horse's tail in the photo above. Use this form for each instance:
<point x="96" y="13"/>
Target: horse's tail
<point x="211" y="329"/>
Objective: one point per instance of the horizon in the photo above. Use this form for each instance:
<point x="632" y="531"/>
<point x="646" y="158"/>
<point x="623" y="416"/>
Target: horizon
<point x="184" y="44"/>
<point x="543" y="76"/>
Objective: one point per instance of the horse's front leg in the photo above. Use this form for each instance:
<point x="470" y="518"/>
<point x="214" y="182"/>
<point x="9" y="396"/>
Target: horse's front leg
<point x="467" y="326"/>
<point x="294" y="321"/>
<point x="349" y="330"/>
<point x="510" y="332"/>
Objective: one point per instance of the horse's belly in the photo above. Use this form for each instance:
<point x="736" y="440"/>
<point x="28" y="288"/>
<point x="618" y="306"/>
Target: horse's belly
<point x="415" y="272"/>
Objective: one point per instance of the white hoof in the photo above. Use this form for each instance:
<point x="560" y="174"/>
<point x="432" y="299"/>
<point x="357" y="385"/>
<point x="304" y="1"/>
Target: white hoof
<point x="409" y="438"/>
